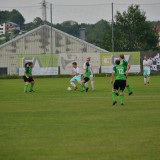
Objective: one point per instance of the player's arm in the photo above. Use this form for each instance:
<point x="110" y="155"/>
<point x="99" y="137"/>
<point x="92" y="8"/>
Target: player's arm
<point x="84" y="66"/>
<point x="25" y="74"/>
<point x="128" y="67"/>
<point x="112" y="77"/>
<point x="113" y="74"/>
<point x="126" y="72"/>
<point x="75" y="73"/>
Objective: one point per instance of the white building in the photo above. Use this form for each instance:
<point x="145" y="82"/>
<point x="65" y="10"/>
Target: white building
<point x="2" y="29"/>
<point x="56" y="50"/>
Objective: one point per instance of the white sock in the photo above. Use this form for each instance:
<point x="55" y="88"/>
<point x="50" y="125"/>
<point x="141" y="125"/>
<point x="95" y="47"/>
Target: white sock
<point x="86" y="84"/>
<point x="145" y="80"/>
<point x="73" y="84"/>
<point x="92" y="84"/>
<point x="148" y="79"/>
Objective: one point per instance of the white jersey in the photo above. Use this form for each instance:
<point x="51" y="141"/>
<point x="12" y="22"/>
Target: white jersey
<point x="76" y="70"/>
<point x="90" y="67"/>
<point x="146" y="65"/>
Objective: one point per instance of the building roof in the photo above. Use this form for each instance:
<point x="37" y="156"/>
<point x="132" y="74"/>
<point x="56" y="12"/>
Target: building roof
<point x="15" y="24"/>
<point x="56" y="30"/>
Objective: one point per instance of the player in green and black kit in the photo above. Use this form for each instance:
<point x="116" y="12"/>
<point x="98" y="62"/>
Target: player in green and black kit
<point x="120" y="81"/>
<point x="86" y="78"/>
<point x="124" y="63"/>
<point x="28" y="77"/>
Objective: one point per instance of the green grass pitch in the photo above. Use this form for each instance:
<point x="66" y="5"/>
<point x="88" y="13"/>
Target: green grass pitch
<point x="55" y="124"/>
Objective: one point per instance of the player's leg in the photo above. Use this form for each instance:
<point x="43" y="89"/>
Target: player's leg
<point x="114" y="90"/>
<point x="148" y="79"/>
<point x="145" y="77"/>
<point x="148" y="76"/>
<point x="79" y="80"/>
<point x="72" y="82"/>
<point x="122" y="87"/>
<point x="128" y="88"/>
<point x="86" y="84"/>
<point x="83" y="86"/>
<point x="26" y="83"/>
<point x="92" y="82"/>
<point x="31" y="80"/>
<point x="26" y="86"/>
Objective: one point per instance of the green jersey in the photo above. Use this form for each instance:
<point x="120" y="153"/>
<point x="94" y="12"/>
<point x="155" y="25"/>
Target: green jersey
<point x="124" y="63"/>
<point x="28" y="71"/>
<point x="119" y="72"/>
<point x="88" y="72"/>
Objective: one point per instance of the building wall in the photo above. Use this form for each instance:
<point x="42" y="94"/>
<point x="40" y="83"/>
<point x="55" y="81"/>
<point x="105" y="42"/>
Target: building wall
<point x="2" y="28"/>
<point x="39" y="42"/>
<point x="10" y="26"/>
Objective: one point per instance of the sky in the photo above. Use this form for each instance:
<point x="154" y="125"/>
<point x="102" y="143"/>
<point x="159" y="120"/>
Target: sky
<point x="82" y="11"/>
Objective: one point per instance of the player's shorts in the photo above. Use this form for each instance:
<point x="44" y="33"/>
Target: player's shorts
<point x="30" y="79"/>
<point x="86" y="79"/>
<point x="119" y="84"/>
<point x="147" y="72"/>
<point x="76" y="78"/>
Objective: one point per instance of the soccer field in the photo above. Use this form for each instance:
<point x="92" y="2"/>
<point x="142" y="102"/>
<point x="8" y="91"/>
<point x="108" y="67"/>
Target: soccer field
<point x="55" y="124"/>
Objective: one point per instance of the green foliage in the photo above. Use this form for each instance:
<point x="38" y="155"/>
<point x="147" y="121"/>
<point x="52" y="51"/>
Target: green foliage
<point x="95" y="33"/>
<point x="2" y="40"/>
<point x="14" y="16"/>
<point x="4" y="16"/>
<point x="36" y="23"/>
<point x="132" y="32"/>
<point x="69" y="27"/>
<point x="54" y="124"/>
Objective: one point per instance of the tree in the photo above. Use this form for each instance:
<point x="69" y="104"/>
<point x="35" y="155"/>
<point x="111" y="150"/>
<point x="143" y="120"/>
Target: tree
<point x="38" y="22"/>
<point x="16" y="17"/>
<point x="4" y="16"/>
<point x="132" y="32"/>
<point x="70" y="27"/>
<point x="13" y="16"/>
<point x="95" y="33"/>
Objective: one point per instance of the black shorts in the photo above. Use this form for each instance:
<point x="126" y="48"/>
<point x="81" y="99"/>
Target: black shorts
<point x="86" y="79"/>
<point x="30" y="79"/>
<point x="119" y="84"/>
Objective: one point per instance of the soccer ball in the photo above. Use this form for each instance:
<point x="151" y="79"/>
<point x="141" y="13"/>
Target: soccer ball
<point x="69" y="88"/>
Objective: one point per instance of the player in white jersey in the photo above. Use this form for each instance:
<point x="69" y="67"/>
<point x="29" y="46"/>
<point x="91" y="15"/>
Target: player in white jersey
<point x="76" y="75"/>
<point x="92" y="74"/>
<point x="146" y="70"/>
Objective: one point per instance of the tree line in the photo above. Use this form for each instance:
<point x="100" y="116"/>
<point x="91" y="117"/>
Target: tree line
<point x="132" y="31"/>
